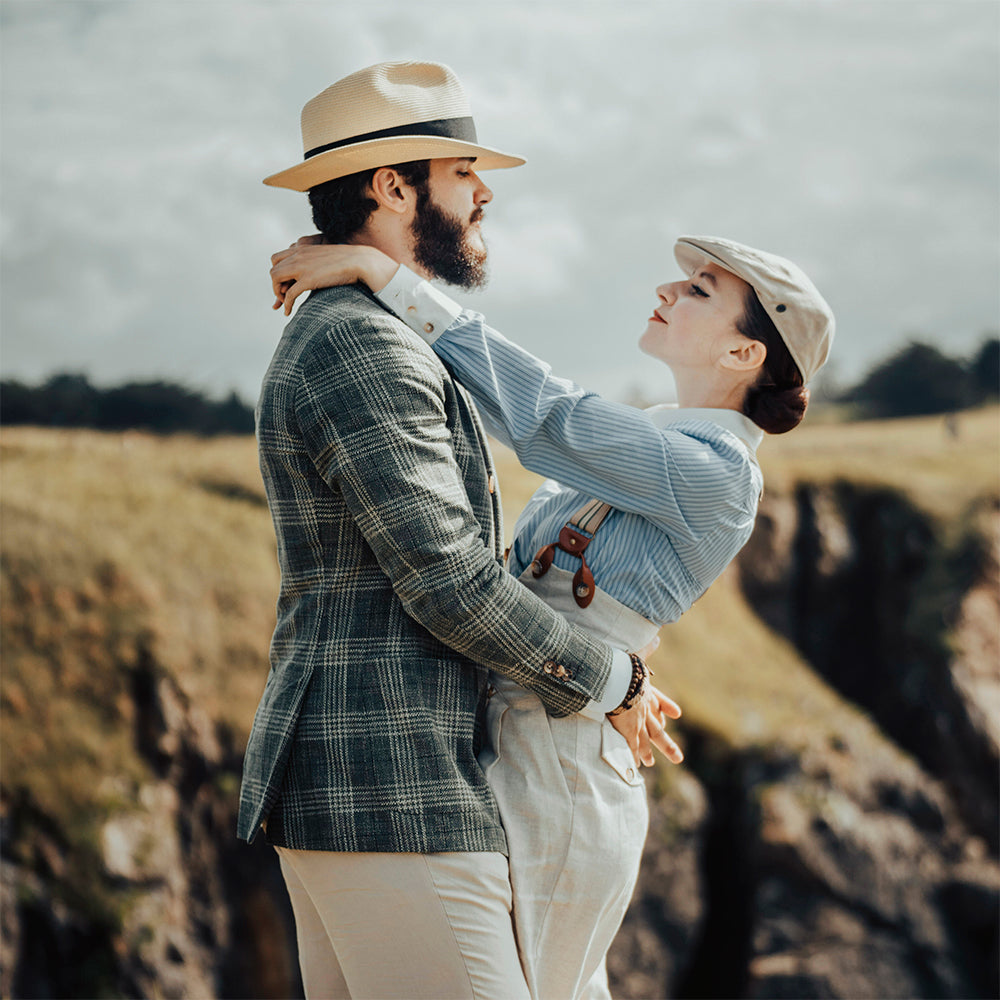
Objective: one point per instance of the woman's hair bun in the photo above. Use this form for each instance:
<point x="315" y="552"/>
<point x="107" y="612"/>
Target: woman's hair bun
<point x="775" y="410"/>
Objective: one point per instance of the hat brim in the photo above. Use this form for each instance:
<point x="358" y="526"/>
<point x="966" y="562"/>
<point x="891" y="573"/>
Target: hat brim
<point x="346" y="160"/>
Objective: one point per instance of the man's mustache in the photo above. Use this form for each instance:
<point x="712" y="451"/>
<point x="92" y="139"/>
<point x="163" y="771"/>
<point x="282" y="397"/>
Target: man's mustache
<point x="477" y="215"/>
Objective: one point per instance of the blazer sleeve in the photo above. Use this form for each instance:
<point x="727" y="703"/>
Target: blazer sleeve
<point x="371" y="408"/>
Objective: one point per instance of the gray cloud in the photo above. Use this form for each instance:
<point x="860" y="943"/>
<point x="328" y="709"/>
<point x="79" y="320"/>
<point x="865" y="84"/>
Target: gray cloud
<point x="860" y="139"/>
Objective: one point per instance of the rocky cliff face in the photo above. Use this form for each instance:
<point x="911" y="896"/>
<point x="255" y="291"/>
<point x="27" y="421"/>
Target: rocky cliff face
<point x="858" y="866"/>
<point x="900" y="616"/>
<point x="844" y="871"/>
<point x="195" y="914"/>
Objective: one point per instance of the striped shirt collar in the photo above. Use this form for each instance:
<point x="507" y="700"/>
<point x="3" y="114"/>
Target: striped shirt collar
<point x="733" y="421"/>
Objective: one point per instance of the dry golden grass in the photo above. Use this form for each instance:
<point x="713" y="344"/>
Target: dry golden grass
<point x="123" y="546"/>
<point x="118" y="548"/>
<point x="939" y="471"/>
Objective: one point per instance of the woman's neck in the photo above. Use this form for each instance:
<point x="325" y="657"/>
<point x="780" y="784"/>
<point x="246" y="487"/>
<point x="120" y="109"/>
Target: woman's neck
<point x="714" y="391"/>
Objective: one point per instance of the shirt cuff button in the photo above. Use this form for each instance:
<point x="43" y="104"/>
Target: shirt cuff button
<point x="411" y="309"/>
<point x="428" y="327"/>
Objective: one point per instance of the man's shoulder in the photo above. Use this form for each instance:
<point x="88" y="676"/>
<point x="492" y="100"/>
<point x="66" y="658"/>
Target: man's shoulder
<point x="331" y="306"/>
<point x="346" y="328"/>
<point x="330" y="313"/>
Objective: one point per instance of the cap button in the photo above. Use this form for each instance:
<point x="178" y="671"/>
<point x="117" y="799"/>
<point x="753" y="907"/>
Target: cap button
<point x="780" y="307"/>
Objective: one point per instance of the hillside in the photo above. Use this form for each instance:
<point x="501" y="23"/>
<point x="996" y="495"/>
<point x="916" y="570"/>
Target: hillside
<point x="832" y="832"/>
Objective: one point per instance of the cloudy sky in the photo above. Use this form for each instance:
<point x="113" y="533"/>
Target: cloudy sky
<point x="858" y="138"/>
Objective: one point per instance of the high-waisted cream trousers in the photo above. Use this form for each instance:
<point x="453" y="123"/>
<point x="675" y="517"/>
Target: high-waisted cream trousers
<point x="573" y="806"/>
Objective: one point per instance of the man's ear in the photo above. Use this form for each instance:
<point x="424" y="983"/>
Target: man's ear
<point x="745" y="356"/>
<point x="390" y="190"/>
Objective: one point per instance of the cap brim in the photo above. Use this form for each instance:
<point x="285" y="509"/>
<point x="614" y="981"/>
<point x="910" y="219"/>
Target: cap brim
<point x="336" y="163"/>
<point x="691" y="255"/>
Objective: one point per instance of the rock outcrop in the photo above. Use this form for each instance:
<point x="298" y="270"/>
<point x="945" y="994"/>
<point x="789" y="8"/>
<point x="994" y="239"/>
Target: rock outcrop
<point x="851" y="864"/>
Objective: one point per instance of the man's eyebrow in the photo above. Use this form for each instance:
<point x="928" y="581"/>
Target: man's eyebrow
<point x="708" y="276"/>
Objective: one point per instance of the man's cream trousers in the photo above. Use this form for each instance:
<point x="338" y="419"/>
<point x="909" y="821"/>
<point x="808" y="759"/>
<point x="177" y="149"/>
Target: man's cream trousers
<point x="403" y="926"/>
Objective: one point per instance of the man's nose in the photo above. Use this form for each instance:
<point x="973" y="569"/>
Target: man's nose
<point x="483" y="194"/>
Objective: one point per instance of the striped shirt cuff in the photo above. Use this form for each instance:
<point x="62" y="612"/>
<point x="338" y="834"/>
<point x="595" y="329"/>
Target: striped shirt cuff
<point x="422" y="307"/>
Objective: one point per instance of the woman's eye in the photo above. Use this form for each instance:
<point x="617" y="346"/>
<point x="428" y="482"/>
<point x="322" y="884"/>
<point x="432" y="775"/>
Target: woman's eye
<point x="698" y="290"/>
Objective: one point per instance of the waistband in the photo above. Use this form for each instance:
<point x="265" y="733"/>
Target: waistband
<point x="604" y="618"/>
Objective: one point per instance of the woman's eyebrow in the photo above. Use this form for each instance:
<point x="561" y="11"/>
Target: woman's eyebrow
<point x="708" y="276"/>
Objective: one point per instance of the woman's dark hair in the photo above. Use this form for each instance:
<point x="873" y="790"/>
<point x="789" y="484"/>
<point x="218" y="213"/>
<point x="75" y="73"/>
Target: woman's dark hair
<point x="341" y="207"/>
<point x="777" y="401"/>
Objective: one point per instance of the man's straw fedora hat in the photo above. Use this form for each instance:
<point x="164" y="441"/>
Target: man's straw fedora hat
<point x="388" y="113"/>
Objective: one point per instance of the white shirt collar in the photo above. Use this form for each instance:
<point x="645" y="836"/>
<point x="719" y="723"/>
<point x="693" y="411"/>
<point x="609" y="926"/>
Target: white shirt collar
<point x="733" y="421"/>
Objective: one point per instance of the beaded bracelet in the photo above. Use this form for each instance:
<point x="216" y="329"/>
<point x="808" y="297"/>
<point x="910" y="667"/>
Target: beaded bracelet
<point x="637" y="686"/>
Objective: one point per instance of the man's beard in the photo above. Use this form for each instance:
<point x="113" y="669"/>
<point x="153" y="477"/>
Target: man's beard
<point x="440" y="244"/>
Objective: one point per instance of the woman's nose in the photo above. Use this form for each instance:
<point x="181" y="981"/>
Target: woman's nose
<point x="667" y="292"/>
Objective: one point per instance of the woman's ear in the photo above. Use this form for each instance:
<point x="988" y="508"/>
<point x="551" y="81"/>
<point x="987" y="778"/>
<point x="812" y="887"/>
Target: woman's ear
<point x="390" y="191"/>
<point x="748" y="355"/>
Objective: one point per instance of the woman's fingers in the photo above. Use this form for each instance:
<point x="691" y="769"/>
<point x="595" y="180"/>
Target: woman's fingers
<point x="291" y="294"/>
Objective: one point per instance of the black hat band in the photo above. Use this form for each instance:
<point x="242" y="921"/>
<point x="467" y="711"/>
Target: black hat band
<point x="462" y="129"/>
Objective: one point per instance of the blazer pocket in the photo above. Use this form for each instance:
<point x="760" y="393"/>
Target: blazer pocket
<point x="616" y="754"/>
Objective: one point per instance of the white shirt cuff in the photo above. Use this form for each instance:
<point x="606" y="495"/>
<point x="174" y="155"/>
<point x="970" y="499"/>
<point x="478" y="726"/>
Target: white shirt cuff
<point x="614" y="691"/>
<point x="427" y="311"/>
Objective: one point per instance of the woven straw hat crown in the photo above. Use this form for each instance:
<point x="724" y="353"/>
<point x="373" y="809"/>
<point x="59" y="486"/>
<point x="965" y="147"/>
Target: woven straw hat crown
<point x="384" y="114"/>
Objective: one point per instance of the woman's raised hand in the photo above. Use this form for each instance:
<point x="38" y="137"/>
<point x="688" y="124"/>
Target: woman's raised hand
<point x="309" y="263"/>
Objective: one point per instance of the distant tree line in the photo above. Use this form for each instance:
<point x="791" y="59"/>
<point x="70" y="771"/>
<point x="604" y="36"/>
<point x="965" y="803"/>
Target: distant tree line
<point x="920" y="379"/>
<point x="161" y="407"/>
<point x="917" y="379"/>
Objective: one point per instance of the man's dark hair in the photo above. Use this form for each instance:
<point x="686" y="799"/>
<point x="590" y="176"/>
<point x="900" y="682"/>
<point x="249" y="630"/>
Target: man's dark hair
<point x="342" y="206"/>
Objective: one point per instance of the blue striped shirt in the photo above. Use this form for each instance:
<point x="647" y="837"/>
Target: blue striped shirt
<point x="684" y="484"/>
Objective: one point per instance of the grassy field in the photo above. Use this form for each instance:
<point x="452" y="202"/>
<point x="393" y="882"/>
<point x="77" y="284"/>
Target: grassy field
<point x="942" y="470"/>
<point x="121" y="550"/>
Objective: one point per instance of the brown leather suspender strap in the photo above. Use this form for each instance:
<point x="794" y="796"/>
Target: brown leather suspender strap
<point x="574" y="537"/>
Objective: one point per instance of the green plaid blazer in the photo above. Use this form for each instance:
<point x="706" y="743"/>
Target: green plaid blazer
<point x="394" y="602"/>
